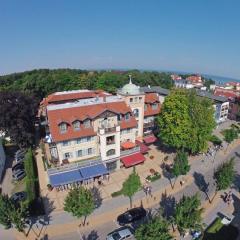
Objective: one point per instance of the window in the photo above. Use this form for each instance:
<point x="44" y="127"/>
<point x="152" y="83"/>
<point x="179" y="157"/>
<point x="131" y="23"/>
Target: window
<point x="127" y="116"/>
<point x="110" y="140"/>
<point x="136" y="112"/>
<point x="90" y="151"/>
<point x="87" y="124"/>
<point x="63" y="127"/>
<point x="65" y="143"/>
<point x="79" y="153"/>
<point x="135" y="99"/>
<point x="119" y="117"/>
<point x="111" y="152"/>
<point x="140" y="99"/>
<point x="76" y="125"/>
<point x="154" y="106"/>
<point x="84" y="139"/>
<point x="67" y="155"/>
<point x="131" y="99"/>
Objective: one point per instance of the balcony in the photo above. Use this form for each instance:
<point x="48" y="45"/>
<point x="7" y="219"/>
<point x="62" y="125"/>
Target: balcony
<point x="108" y="129"/>
<point x="148" y="125"/>
<point x="130" y="151"/>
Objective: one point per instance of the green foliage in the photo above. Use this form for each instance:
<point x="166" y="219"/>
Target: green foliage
<point x="208" y="82"/>
<point x="44" y="81"/>
<point x="215" y="226"/>
<point x="154" y="177"/>
<point x="116" y="194"/>
<point x="17" y="116"/>
<point x="131" y="185"/>
<point x="79" y="202"/>
<point x="12" y="214"/>
<point x="155" y="229"/>
<point x="180" y="165"/>
<point x="31" y="178"/>
<point x="230" y="135"/>
<point x="225" y="174"/>
<point x="186" y="120"/>
<point x="215" y="140"/>
<point x="188" y="214"/>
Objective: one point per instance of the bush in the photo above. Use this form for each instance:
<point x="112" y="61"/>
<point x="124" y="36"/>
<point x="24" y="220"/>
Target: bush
<point x="154" y="177"/>
<point x="116" y="194"/>
<point x="215" y="140"/>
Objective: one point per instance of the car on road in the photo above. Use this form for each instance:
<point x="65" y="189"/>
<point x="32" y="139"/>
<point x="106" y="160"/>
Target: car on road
<point x="19" y="196"/>
<point x="18" y="175"/>
<point x="20" y="152"/>
<point x="18" y="166"/>
<point x="131" y="216"/>
<point x="19" y="159"/>
<point x="121" y="233"/>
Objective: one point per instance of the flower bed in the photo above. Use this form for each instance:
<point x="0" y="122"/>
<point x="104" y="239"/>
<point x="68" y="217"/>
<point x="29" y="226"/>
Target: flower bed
<point x="154" y="177"/>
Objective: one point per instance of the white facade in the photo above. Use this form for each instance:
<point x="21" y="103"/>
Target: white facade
<point x="2" y="159"/>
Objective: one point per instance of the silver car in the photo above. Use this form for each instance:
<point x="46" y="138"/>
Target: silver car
<point x="120" y="234"/>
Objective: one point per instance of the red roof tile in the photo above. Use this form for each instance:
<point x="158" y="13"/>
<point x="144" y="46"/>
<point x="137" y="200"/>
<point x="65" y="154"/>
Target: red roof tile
<point x="81" y="113"/>
<point x="151" y="98"/>
<point x="150" y="112"/>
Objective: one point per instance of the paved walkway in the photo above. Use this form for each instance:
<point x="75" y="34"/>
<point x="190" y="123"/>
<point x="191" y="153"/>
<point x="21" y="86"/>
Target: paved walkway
<point x="111" y="208"/>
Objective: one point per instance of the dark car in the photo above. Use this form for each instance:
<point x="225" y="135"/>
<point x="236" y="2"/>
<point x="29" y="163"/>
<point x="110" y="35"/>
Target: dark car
<point x="18" y="166"/>
<point x="19" y="196"/>
<point x="131" y="215"/>
<point x="18" y="175"/>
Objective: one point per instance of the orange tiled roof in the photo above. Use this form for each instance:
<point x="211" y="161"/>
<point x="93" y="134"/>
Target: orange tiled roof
<point x="69" y="115"/>
<point x="59" y="98"/>
<point x="151" y="98"/>
<point x="150" y="112"/>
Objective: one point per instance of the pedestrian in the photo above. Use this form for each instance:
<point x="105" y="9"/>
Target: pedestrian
<point x="150" y="191"/>
<point x="181" y="183"/>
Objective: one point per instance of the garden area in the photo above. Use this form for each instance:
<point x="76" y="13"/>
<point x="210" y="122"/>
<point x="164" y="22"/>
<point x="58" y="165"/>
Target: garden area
<point x="218" y="231"/>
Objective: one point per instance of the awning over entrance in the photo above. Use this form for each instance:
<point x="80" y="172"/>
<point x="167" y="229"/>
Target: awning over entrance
<point x="143" y="147"/>
<point x="133" y="159"/>
<point x="150" y="139"/>
<point x="128" y="145"/>
<point x="93" y="171"/>
<point x="63" y="178"/>
<point x="77" y="175"/>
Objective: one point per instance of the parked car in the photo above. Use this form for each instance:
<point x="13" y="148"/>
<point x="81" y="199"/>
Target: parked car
<point x="131" y="215"/>
<point x="19" y="196"/>
<point x="18" y="166"/>
<point x="18" y="175"/>
<point x="120" y="234"/>
<point x="19" y="159"/>
<point x="20" y="152"/>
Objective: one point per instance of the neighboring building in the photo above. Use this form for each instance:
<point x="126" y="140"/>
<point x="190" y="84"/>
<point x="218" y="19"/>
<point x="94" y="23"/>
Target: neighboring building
<point x="232" y="85"/>
<point x="175" y="77"/>
<point x="2" y="159"/>
<point x="183" y="83"/>
<point x="220" y="104"/>
<point x="196" y="80"/>
<point x="93" y="134"/>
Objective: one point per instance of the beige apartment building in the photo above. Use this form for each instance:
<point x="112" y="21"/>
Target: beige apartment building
<point x="91" y="133"/>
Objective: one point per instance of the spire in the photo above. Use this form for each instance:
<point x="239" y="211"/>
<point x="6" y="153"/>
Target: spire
<point x="130" y="79"/>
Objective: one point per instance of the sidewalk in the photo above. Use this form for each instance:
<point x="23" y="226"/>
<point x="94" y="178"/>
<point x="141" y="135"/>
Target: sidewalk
<point x="62" y="222"/>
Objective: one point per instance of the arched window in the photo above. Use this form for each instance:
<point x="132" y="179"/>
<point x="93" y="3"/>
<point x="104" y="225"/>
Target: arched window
<point x="136" y="112"/>
<point x="87" y="123"/>
<point x="111" y="152"/>
<point x="63" y="127"/>
<point x="76" y="125"/>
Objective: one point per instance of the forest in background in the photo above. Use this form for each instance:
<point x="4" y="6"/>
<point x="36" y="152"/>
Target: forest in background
<point x="45" y="81"/>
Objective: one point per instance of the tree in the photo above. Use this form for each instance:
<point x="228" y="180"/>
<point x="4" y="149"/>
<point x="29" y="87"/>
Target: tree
<point x="79" y="202"/>
<point x="12" y="214"/>
<point x="187" y="214"/>
<point x="131" y="185"/>
<point x="17" y="116"/>
<point x="155" y="229"/>
<point x="180" y="165"/>
<point x="230" y="135"/>
<point x="186" y="121"/>
<point x="224" y="176"/>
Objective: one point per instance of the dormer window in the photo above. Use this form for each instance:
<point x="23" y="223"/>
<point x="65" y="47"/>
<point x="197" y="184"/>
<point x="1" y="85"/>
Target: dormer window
<point x="87" y="124"/>
<point x="154" y="106"/>
<point x="76" y="125"/>
<point x="63" y="127"/>
<point x="127" y="116"/>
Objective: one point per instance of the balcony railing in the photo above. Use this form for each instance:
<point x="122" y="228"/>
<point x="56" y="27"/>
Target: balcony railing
<point x="130" y="151"/>
<point x="149" y="124"/>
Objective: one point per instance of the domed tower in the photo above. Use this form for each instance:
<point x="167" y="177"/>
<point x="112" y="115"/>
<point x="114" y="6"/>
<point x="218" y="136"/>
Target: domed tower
<point x="134" y="98"/>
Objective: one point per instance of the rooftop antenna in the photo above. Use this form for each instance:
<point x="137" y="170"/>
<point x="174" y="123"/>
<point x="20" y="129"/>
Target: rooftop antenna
<point x="130" y="79"/>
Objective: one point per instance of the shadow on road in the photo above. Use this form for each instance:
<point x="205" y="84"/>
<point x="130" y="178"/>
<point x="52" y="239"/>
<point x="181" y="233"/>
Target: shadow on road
<point x="167" y="205"/>
<point x="93" y="235"/>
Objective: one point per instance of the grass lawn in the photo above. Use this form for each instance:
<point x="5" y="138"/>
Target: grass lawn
<point x="218" y="231"/>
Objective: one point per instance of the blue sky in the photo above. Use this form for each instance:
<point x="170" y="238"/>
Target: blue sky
<point x="183" y="35"/>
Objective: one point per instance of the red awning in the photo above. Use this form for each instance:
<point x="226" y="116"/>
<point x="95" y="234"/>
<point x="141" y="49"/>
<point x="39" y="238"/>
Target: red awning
<point x="150" y="139"/>
<point x="127" y="145"/>
<point x="143" y="147"/>
<point x="133" y="159"/>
